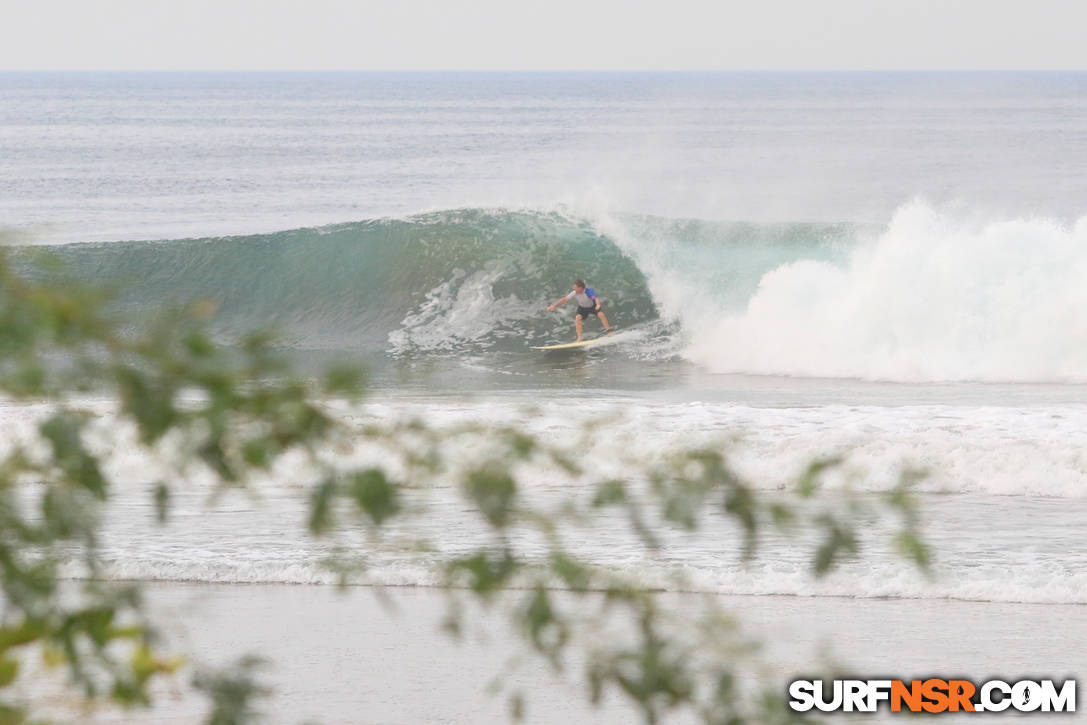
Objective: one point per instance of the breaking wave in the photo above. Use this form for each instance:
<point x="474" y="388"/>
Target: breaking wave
<point x="929" y="297"/>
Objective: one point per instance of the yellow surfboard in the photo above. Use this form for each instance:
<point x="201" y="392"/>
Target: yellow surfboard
<point x="572" y="345"/>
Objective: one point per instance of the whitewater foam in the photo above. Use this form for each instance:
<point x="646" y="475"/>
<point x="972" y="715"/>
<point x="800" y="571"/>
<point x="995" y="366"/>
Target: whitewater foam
<point x="1002" y="502"/>
<point x="933" y="298"/>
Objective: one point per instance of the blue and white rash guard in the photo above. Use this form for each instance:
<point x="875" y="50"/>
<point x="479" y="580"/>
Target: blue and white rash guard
<point x="583" y="299"/>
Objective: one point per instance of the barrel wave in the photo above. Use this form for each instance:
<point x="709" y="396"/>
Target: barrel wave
<point x="926" y="297"/>
<point x="461" y="281"/>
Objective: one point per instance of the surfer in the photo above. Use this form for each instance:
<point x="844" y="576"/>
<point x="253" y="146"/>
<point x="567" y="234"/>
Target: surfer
<point x="587" y="304"/>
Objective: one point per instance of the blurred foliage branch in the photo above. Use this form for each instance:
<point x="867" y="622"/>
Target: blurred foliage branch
<point x="231" y="413"/>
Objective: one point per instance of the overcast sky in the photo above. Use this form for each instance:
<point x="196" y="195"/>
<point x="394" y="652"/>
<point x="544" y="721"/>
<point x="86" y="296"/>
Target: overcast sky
<point x="546" y="34"/>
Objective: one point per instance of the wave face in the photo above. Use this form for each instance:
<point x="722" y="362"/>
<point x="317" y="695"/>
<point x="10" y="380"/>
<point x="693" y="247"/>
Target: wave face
<point x="930" y="297"/>
<point x="465" y="280"/>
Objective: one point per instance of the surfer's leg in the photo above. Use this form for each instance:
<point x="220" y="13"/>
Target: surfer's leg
<point x="577" y="324"/>
<point x="604" y="321"/>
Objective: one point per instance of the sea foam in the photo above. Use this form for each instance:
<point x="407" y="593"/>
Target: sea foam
<point x="932" y="298"/>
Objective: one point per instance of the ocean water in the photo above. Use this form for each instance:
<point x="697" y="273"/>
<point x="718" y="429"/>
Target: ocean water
<point x="883" y="266"/>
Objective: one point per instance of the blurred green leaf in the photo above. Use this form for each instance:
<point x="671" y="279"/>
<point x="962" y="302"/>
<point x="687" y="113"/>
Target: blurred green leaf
<point x="493" y="490"/>
<point x="375" y="494"/>
<point x="910" y="545"/>
<point x="572" y="573"/>
<point x="809" y="480"/>
<point x="517" y="707"/>
<point x="24" y="633"/>
<point x="63" y="430"/>
<point x="11" y="715"/>
<point x="838" y="540"/>
<point x="9" y="668"/>
<point x="484" y="572"/>
<point x="610" y="492"/>
<point x="320" y="520"/>
<point x="344" y="379"/>
<point x="162" y="501"/>
<point x="234" y="692"/>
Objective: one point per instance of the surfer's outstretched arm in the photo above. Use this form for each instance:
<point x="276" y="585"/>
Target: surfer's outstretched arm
<point x="560" y="303"/>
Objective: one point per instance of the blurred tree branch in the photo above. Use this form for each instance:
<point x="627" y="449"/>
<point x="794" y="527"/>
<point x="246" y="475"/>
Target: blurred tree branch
<point x="231" y="412"/>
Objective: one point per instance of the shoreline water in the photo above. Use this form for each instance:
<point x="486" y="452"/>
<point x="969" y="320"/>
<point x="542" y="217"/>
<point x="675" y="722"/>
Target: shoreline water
<point x="342" y="657"/>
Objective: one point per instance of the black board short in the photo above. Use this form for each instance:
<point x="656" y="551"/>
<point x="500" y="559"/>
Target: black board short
<point x="584" y="312"/>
